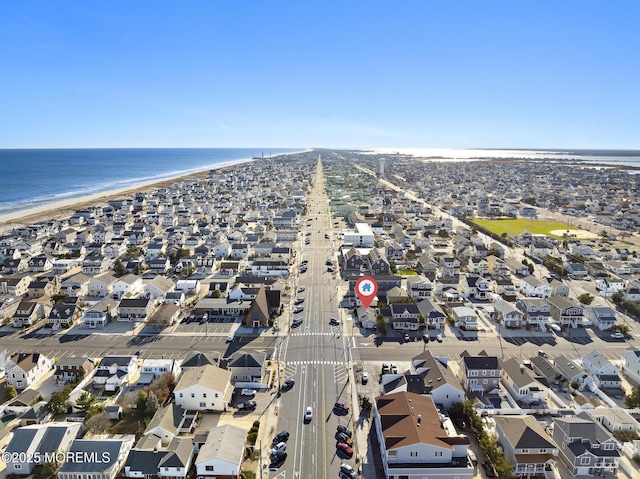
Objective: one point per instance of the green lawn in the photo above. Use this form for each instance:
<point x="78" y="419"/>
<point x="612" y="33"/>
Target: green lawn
<point x="519" y="226"/>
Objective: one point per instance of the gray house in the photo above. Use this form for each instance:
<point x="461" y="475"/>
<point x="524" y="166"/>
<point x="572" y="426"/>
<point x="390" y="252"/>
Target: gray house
<point x="585" y="446"/>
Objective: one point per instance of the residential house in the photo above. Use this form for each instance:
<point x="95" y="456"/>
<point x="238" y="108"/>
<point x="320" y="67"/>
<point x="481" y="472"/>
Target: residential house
<point x="222" y="453"/>
<point x="138" y="309"/>
<point x="532" y="287"/>
<point x="64" y="315"/>
<point x="100" y="314"/>
<point x="632" y="366"/>
<point x="434" y="316"/>
<point x="40" y="264"/>
<point x="70" y="370"/>
<point x="475" y="287"/>
<point x="205" y="388"/>
<point x="558" y="288"/>
<point x="159" y="265"/>
<point x="104" y="458"/>
<point x="536" y="311"/>
<point x="166" y="423"/>
<point x="376" y="263"/>
<point x="480" y="373"/>
<point x="604" y="373"/>
<point x="154" y="368"/>
<point x="158" y="287"/>
<point x="603" y="317"/>
<point x="522" y="384"/>
<point x="404" y="316"/>
<point x="570" y="370"/>
<point x="585" y="446"/>
<point x="465" y="318"/>
<point x="413" y="441"/>
<point x="76" y="285"/>
<point x="172" y="463"/>
<point x="544" y="368"/>
<point x="128" y="286"/>
<point x="25" y="369"/>
<point x="527" y="447"/>
<point x="436" y="380"/>
<point x="37" y="442"/>
<point x="565" y="312"/>
<point x="95" y="264"/>
<point x="616" y="419"/>
<point x="102" y="285"/>
<point x="609" y="285"/>
<point x="247" y="367"/>
<point x="114" y="371"/>
<point x="478" y="266"/>
<point x="29" y="313"/>
<point x="507" y="314"/>
<point x="43" y="286"/>
<point x="16" y="285"/>
<point x="419" y="287"/>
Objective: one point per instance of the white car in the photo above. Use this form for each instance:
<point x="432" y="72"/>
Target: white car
<point x="439" y="338"/>
<point x="308" y="414"/>
<point x="279" y="449"/>
<point x="617" y="336"/>
<point x="248" y="392"/>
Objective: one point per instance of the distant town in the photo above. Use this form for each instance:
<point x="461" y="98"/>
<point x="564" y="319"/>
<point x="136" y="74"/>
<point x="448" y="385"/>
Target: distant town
<point x="210" y="328"/>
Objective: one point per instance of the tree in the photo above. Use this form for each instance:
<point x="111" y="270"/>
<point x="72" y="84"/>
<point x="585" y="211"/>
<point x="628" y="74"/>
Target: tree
<point x="381" y="325"/>
<point x="617" y="297"/>
<point x="141" y="404"/>
<point x="393" y="267"/>
<point x="365" y="403"/>
<point x="98" y="423"/>
<point x="632" y="400"/>
<point x="622" y="328"/>
<point x="586" y="298"/>
<point x="118" y="268"/>
<point x="86" y="402"/>
<point x="9" y="393"/>
<point x="443" y="233"/>
<point x="152" y="404"/>
<point x="216" y="293"/>
<point x="575" y="385"/>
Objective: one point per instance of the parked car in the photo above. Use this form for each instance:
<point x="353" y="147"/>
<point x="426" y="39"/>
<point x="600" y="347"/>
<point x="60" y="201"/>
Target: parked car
<point x="297" y="321"/>
<point x="288" y="384"/>
<point x="439" y="338"/>
<point x="385" y="368"/>
<point x="282" y="436"/>
<point x="344" y="438"/>
<point x="542" y="353"/>
<point x="345" y="449"/>
<point x="425" y="338"/>
<point x="247" y="405"/>
<point x="299" y="300"/>
<point x="279" y="448"/>
<point x="365" y="378"/>
<point x="348" y="471"/>
<point x="248" y="392"/>
<point x="341" y="407"/>
<point x="277" y="462"/>
<point x="329" y="270"/>
<point x="488" y="469"/>
<point x="617" y="336"/>
<point x="308" y="414"/>
<point x="406" y="338"/>
<point x="393" y="369"/>
<point x="301" y="289"/>
<point x="229" y="339"/>
<point x="334" y="321"/>
<point x="298" y="309"/>
<point x="344" y="430"/>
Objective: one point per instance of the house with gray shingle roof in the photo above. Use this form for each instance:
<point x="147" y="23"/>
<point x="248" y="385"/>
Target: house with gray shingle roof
<point x="25" y="369"/>
<point x="103" y="458"/>
<point x="222" y="453"/>
<point x="585" y="446"/>
<point x="174" y="461"/>
<point x="247" y="366"/>
<point x="526" y="445"/>
<point x="521" y="382"/>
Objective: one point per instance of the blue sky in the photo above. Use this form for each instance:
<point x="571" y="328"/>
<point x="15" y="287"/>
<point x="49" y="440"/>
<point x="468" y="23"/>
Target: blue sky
<point x="491" y="74"/>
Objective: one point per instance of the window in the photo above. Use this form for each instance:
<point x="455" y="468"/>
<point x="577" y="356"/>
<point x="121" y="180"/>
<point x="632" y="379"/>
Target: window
<point x="203" y="404"/>
<point x="193" y="395"/>
<point x="413" y="454"/>
<point x="525" y="451"/>
<point x="473" y="373"/>
<point x="585" y="460"/>
<point x="393" y="453"/>
<point x="204" y="395"/>
<point x="484" y="381"/>
<point x="208" y="468"/>
<point x="181" y="395"/>
<point x="17" y="466"/>
<point x="438" y="454"/>
<point x="493" y="373"/>
<point x="608" y="446"/>
<point x="484" y="373"/>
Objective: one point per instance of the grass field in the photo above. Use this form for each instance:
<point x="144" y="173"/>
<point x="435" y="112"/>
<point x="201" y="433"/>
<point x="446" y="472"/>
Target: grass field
<point x="519" y="226"/>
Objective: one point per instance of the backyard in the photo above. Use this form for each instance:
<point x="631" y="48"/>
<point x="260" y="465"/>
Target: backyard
<point x="553" y="229"/>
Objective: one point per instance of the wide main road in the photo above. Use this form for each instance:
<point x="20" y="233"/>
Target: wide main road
<point x="314" y="355"/>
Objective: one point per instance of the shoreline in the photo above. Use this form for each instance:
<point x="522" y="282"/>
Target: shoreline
<point x="65" y="208"/>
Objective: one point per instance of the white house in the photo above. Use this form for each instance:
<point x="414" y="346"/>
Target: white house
<point x="114" y="371"/>
<point x="632" y="366"/>
<point x="205" y="388"/>
<point x="532" y="287"/>
<point x="222" y="453"/>
<point x="129" y="286"/>
<point x="25" y="369"/>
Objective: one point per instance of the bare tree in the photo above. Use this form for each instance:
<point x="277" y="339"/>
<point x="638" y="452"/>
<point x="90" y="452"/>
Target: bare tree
<point x="98" y="424"/>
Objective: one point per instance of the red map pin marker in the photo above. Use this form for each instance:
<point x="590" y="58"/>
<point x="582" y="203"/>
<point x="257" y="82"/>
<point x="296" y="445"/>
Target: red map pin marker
<point x="366" y="289"/>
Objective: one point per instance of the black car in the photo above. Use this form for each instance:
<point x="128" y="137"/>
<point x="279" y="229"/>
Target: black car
<point x="288" y="384"/>
<point x="282" y="436"/>
<point x="341" y="407"/>
<point x="488" y="469"/>
<point x="344" y="430"/>
<point x="277" y="461"/>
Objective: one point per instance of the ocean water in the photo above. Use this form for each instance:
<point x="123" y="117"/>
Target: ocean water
<point x="31" y="178"/>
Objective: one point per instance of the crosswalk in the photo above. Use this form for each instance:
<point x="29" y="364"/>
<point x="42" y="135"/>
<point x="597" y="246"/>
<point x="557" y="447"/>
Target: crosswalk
<point x="311" y="333"/>
<point x="318" y="363"/>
